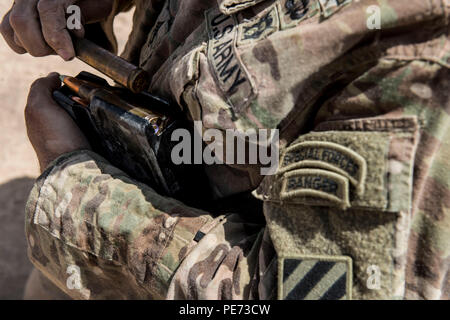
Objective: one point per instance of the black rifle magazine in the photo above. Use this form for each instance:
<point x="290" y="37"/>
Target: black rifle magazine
<point x="140" y="146"/>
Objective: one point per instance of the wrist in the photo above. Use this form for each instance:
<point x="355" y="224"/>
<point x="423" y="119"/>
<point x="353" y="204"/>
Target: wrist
<point x="54" y="148"/>
<point x="49" y="160"/>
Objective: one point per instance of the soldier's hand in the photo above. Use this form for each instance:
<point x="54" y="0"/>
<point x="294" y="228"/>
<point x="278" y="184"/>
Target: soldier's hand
<point x="51" y="131"/>
<point x="39" y="27"/>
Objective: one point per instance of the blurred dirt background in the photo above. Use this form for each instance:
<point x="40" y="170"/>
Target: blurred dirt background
<point x="18" y="165"/>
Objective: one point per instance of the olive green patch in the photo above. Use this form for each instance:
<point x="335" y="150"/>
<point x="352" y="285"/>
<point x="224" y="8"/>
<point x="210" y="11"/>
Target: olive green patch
<point x="291" y="14"/>
<point x="329" y="156"/>
<point x="315" y="187"/>
<point x="260" y="27"/>
<point x="401" y="138"/>
<point x="311" y="277"/>
<point x="374" y="148"/>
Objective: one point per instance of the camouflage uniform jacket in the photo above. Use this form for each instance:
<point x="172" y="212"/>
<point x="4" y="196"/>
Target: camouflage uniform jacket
<point x="360" y="205"/>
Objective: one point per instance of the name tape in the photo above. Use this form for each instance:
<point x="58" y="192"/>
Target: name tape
<point x="230" y="73"/>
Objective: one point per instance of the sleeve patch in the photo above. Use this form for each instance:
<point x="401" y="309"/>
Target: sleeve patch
<point x="315" y="278"/>
<point x="260" y="27"/>
<point x="328" y="156"/>
<point x="292" y="12"/>
<point x="231" y="75"/>
<point x="316" y="187"/>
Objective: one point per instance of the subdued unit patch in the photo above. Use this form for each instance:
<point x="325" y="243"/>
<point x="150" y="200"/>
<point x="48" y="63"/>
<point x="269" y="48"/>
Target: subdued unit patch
<point x="329" y="156"/>
<point x="292" y="12"/>
<point x="265" y="24"/>
<point x="315" y="278"/>
<point x="316" y="187"/>
<point x="199" y="236"/>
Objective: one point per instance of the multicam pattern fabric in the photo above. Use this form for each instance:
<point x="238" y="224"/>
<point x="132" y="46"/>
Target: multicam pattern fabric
<point x="314" y="70"/>
<point x="99" y="235"/>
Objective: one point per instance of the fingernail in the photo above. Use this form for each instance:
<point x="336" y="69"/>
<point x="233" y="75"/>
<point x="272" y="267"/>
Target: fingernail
<point x="64" y="54"/>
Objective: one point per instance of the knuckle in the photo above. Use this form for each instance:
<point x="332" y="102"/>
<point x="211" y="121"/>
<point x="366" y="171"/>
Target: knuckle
<point x="17" y="20"/>
<point x="54" y="40"/>
<point x="44" y="6"/>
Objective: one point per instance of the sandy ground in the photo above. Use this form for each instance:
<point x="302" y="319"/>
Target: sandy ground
<point x="18" y="165"/>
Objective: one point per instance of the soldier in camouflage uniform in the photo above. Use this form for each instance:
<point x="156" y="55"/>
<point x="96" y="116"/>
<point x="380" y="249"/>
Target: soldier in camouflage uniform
<point x="360" y="205"/>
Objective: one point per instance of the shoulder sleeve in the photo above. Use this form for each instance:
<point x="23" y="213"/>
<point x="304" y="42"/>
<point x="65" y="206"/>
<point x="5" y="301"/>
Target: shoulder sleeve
<point x="97" y="234"/>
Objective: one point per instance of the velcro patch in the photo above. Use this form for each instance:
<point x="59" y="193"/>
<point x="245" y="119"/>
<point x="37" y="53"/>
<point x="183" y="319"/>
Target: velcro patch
<point x="260" y="27"/>
<point x="315" y="187"/>
<point x="315" y="278"/>
<point x="292" y="12"/>
<point x="230" y="73"/>
<point x="329" y="156"/>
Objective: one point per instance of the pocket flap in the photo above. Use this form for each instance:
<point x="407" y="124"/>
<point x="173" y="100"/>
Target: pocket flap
<point x="348" y="168"/>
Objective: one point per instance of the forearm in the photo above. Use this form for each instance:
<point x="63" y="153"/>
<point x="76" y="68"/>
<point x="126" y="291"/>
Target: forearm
<point x="97" y="234"/>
